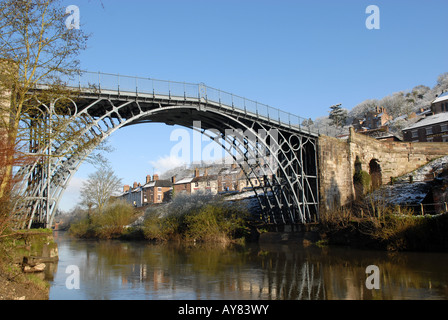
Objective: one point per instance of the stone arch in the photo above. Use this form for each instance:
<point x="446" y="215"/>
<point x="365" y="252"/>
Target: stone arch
<point x="375" y="173"/>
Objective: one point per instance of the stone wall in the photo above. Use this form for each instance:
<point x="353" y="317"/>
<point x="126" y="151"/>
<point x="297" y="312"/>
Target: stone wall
<point x="335" y="172"/>
<point x="337" y="162"/>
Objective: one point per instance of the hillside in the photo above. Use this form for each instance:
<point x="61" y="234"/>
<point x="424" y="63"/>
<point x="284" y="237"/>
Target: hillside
<point x="399" y="105"/>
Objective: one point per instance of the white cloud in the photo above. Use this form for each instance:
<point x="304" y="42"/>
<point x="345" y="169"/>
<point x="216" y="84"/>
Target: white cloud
<point x="166" y="163"/>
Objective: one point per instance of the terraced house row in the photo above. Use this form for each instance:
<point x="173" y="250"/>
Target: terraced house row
<point x="155" y="190"/>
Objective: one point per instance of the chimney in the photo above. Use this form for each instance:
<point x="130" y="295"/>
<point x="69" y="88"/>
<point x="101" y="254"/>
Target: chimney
<point x="205" y="172"/>
<point x="125" y="188"/>
<point x="135" y="185"/>
<point x="196" y="173"/>
<point x="173" y="179"/>
<point x="148" y="179"/>
<point x="155" y="177"/>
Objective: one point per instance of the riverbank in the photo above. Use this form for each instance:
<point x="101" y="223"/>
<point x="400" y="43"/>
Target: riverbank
<point x="28" y="257"/>
<point x="392" y="232"/>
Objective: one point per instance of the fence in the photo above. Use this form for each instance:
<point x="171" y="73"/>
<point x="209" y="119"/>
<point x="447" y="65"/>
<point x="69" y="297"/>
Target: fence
<point x="425" y="208"/>
<point x="184" y="90"/>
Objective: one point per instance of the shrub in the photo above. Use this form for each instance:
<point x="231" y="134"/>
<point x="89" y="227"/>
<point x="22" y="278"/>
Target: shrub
<point x="195" y="218"/>
<point x="110" y="223"/>
<point x="363" y="178"/>
<point x="113" y="219"/>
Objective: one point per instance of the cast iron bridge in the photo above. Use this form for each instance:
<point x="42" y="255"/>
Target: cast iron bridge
<point x="276" y="147"/>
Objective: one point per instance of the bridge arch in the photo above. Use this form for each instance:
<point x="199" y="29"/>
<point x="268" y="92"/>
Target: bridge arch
<point x="289" y="196"/>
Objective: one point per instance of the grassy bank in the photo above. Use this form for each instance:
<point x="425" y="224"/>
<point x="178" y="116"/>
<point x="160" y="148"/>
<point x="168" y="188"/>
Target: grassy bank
<point x="14" y="283"/>
<point x="386" y="230"/>
<point x="191" y="218"/>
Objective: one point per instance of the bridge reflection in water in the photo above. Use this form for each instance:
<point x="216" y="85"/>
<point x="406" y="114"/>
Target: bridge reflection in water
<point x="116" y="270"/>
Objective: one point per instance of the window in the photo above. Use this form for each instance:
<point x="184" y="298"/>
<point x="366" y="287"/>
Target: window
<point x="429" y="131"/>
<point x="414" y="133"/>
<point x="159" y="189"/>
<point x="196" y="184"/>
<point x="208" y="183"/>
<point x="430" y="139"/>
<point x="444" y="127"/>
<point x="159" y="198"/>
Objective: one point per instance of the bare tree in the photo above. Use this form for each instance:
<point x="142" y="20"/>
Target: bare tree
<point x="99" y="188"/>
<point x="35" y="48"/>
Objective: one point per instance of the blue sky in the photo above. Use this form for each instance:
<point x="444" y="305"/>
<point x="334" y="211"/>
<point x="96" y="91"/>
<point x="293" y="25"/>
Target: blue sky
<point x="299" y="56"/>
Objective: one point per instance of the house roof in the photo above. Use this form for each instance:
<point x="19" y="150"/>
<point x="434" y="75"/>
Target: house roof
<point x="184" y="180"/>
<point x="438" y="118"/>
<point x="442" y="97"/>
<point x="158" y="183"/>
<point x="204" y="178"/>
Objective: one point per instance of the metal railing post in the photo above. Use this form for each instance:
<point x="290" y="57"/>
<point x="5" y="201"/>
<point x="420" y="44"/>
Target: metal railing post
<point x="153" y="93"/>
<point x="118" y="79"/>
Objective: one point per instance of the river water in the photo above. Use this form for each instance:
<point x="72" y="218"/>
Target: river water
<point x="113" y="270"/>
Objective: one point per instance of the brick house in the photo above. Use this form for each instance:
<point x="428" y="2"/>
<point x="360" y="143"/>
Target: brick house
<point x="440" y="104"/>
<point x="182" y="186"/>
<point x="207" y="183"/>
<point x="192" y="185"/>
<point x="228" y="179"/>
<point x="430" y="129"/>
<point x="156" y="190"/>
<point x="372" y="120"/>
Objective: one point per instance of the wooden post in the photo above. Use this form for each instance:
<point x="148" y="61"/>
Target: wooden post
<point x="421" y="206"/>
<point x="446" y="208"/>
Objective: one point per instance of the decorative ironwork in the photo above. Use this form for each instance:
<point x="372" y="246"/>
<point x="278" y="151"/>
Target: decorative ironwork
<point x="272" y="145"/>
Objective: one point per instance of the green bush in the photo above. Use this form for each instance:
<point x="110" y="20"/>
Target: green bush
<point x="363" y="180"/>
<point x="214" y="221"/>
<point x="110" y="223"/>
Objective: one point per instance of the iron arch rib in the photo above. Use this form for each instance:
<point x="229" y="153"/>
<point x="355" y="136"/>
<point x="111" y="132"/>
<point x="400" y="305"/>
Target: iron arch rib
<point x="282" y="157"/>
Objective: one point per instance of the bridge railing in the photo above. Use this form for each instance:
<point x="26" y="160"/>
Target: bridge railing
<point x="148" y="86"/>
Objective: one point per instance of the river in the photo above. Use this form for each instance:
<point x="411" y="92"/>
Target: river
<point x="112" y="270"/>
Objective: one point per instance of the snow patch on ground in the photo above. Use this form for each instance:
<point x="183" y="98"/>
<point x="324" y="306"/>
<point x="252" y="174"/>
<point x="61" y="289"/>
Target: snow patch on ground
<point x="403" y="192"/>
<point x="426" y="172"/>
